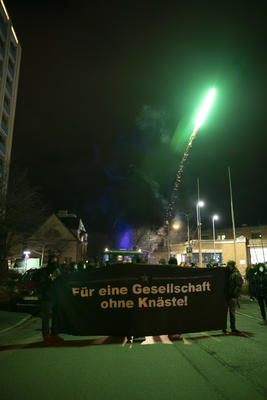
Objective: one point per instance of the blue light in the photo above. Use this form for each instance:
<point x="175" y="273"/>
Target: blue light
<point x="126" y="240"/>
<point x="124" y="236"/>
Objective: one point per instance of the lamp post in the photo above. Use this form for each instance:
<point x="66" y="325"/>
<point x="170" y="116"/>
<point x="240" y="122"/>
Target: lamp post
<point x="188" y="228"/>
<point x="188" y="234"/>
<point x="26" y="257"/>
<point x="232" y="210"/>
<point x="199" y="205"/>
<point x="176" y="227"/>
<point x="214" y="218"/>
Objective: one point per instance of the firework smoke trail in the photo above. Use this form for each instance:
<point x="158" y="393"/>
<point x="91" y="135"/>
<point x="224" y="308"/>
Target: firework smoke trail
<point x="179" y="176"/>
<point x="198" y="122"/>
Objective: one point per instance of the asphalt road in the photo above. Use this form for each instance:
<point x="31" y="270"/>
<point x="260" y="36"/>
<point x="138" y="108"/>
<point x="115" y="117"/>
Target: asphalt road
<point x="206" y="365"/>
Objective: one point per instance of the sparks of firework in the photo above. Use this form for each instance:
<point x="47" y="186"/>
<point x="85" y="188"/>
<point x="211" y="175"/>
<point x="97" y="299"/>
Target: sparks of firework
<point x="200" y="119"/>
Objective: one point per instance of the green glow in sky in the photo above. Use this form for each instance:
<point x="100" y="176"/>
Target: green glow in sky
<point x="201" y="116"/>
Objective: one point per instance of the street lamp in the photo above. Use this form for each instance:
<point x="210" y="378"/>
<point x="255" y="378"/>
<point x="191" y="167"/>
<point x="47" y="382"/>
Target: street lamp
<point x="176" y="226"/>
<point x="199" y="205"/>
<point x="26" y="257"/>
<point x="214" y="218"/>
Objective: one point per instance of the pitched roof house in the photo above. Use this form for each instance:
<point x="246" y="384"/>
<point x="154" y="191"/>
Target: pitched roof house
<point x="61" y="233"/>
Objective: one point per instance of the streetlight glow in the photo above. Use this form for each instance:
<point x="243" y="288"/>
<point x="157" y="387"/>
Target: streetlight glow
<point x="201" y="116"/>
<point x="215" y="217"/>
<point x="200" y="203"/>
<point x="176" y="226"/>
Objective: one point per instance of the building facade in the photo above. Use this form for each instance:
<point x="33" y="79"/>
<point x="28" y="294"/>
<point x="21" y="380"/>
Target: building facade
<point x="10" y="56"/>
<point x="63" y="235"/>
<point x="250" y="247"/>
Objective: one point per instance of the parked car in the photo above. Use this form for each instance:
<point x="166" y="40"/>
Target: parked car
<point x="19" y="266"/>
<point x="25" y="291"/>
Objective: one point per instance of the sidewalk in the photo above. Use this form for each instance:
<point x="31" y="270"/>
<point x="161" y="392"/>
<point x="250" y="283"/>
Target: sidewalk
<point x="9" y="320"/>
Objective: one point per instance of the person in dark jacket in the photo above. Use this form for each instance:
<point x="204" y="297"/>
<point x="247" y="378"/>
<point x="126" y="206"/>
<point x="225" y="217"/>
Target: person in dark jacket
<point x="233" y="292"/>
<point x="172" y="260"/>
<point x="48" y="295"/>
<point x="260" y="288"/>
<point x="250" y="271"/>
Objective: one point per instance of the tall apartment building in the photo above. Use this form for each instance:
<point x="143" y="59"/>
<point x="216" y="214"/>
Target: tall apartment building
<point x="10" y="55"/>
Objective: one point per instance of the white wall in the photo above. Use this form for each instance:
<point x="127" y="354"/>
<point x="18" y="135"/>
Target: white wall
<point x="258" y="254"/>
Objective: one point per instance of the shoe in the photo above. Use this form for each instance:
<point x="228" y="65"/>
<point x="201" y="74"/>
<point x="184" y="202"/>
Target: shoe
<point x="225" y="332"/>
<point x="235" y="331"/>
<point x="47" y="338"/>
<point x="264" y="322"/>
<point x="57" y="339"/>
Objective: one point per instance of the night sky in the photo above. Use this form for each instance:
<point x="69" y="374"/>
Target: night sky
<point x="108" y="91"/>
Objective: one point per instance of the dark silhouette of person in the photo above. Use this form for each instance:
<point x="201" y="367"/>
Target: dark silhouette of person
<point x="48" y="281"/>
<point x="172" y="260"/>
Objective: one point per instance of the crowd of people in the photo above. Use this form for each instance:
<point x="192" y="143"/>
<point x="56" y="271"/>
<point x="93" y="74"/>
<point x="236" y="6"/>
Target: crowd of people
<point x="256" y="278"/>
<point x="47" y="280"/>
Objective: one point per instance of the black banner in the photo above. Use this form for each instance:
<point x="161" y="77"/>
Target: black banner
<point x="142" y="300"/>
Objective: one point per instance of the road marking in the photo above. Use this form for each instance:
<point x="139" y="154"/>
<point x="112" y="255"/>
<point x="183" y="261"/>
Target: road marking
<point x="16" y="325"/>
<point x="186" y="341"/>
<point x="211" y="337"/>
<point x="249" y="316"/>
<point x="148" y="340"/>
<point x="156" y="339"/>
<point x="165" y="339"/>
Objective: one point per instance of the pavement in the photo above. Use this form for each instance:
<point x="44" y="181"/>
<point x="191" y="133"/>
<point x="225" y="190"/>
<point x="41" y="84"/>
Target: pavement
<point x="10" y="320"/>
<point x="201" y="365"/>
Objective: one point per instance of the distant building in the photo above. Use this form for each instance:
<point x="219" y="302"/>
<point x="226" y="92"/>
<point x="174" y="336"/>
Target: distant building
<point x="251" y="247"/>
<point x="62" y="234"/>
<point x="10" y="55"/>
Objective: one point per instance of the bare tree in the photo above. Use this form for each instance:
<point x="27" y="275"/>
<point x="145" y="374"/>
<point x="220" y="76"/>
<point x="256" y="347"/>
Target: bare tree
<point x="21" y="211"/>
<point x="145" y="238"/>
<point x="47" y="242"/>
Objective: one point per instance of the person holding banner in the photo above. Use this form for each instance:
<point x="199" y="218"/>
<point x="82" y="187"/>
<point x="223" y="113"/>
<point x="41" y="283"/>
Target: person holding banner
<point x="260" y="284"/>
<point x="233" y="291"/>
<point x="48" y="280"/>
<point x="172" y="260"/>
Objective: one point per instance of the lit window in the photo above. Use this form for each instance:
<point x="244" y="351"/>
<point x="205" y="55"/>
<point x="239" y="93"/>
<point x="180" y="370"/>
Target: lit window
<point x="221" y="236"/>
<point x="256" y="235"/>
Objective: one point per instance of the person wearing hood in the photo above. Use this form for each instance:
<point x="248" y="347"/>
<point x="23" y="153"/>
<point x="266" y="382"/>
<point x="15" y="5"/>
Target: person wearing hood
<point x="260" y="284"/>
<point x="250" y="271"/>
<point x="48" y="296"/>
<point x="234" y="286"/>
<point x="172" y="260"/>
